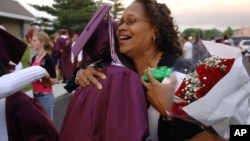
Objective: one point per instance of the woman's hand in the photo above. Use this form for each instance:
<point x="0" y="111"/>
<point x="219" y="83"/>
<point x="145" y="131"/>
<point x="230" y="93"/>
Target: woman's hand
<point x="46" y="80"/>
<point x="160" y="95"/>
<point x="84" y="77"/>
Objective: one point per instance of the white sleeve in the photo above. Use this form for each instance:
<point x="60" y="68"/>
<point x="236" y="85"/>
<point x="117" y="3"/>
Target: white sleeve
<point x="72" y="58"/>
<point x="79" y="57"/>
<point x="17" y="80"/>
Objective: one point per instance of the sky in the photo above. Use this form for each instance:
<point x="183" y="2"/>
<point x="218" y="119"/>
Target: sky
<point x="205" y="14"/>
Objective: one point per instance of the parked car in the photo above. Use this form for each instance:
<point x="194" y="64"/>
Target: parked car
<point x="244" y="46"/>
<point x="237" y="39"/>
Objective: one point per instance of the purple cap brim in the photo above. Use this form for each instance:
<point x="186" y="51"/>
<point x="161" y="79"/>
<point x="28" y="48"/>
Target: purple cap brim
<point x="90" y="28"/>
<point x="11" y="48"/>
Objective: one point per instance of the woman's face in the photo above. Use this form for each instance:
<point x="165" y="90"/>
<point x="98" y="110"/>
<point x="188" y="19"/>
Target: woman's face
<point x="135" y="31"/>
<point x="36" y="44"/>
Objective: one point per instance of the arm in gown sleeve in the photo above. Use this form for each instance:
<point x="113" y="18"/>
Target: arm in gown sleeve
<point x="27" y="120"/>
<point x="15" y="81"/>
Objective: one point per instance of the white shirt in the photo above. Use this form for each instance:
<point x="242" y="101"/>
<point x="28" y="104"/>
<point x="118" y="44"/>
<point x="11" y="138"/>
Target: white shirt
<point x="17" y="80"/>
<point x="187" y="50"/>
<point x="79" y="56"/>
<point x="19" y="66"/>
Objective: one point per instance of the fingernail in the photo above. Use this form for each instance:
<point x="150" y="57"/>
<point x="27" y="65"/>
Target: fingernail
<point x="99" y="87"/>
<point x="103" y="77"/>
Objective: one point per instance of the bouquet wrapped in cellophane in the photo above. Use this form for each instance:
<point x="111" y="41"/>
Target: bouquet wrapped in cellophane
<point x="213" y="88"/>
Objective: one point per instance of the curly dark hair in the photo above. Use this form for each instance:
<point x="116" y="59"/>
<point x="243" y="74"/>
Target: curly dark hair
<point x="167" y="39"/>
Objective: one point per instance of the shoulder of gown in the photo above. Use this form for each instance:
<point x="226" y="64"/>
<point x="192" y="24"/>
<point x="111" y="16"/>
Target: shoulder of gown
<point x="27" y="119"/>
<point x="117" y="112"/>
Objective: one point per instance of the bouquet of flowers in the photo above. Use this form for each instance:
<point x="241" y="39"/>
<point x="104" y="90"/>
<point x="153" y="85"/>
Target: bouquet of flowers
<point x="212" y="88"/>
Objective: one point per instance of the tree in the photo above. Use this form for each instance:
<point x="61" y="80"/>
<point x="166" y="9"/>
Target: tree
<point x="71" y="14"/>
<point x="99" y="2"/>
<point x="74" y="14"/>
<point x="202" y="34"/>
<point x="117" y="8"/>
<point x="44" y="23"/>
<point x="211" y="33"/>
<point x="190" y="32"/>
<point x="228" y="31"/>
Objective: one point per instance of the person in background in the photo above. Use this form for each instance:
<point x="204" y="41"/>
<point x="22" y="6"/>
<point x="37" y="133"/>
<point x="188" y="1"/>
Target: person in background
<point x="187" y="48"/>
<point x="21" y="117"/>
<point x="219" y="40"/>
<point x="40" y="43"/>
<point x="148" y="36"/>
<point x="228" y="40"/>
<point x="54" y="37"/>
<point x="76" y="60"/>
<point x="62" y="52"/>
<point x="29" y="36"/>
<point x="66" y="66"/>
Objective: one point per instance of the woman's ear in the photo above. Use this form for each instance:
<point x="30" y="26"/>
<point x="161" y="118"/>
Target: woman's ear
<point x="154" y="34"/>
<point x="156" y="29"/>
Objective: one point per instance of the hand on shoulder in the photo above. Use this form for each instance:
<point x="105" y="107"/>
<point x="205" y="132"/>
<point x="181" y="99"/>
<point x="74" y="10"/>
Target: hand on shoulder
<point x="87" y="76"/>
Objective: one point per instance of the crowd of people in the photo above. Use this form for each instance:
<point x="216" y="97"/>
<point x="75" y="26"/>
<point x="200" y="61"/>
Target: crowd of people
<point x="112" y="102"/>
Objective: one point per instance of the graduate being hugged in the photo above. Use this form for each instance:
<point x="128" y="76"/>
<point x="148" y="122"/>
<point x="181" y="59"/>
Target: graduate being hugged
<point x="118" y="112"/>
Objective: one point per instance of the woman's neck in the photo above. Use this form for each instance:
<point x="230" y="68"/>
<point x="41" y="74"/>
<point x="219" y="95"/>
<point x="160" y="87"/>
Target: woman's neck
<point x="148" y="60"/>
<point x="40" y="54"/>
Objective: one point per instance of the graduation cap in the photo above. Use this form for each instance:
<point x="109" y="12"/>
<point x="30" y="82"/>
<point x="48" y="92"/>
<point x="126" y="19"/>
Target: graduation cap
<point x="11" y="48"/>
<point x="63" y="31"/>
<point x="97" y="36"/>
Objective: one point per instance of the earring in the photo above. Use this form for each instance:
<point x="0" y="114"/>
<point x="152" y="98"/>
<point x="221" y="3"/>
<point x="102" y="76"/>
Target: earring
<point x="154" y="38"/>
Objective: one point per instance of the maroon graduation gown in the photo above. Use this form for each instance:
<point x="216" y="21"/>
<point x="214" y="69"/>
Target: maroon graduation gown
<point x="27" y="120"/>
<point x="66" y="66"/>
<point x="64" y="57"/>
<point x="118" y="112"/>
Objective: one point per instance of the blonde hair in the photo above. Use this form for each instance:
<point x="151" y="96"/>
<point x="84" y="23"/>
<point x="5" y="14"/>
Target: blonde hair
<point x="44" y="37"/>
<point x="54" y="37"/>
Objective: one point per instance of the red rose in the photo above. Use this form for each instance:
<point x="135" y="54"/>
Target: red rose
<point x="205" y="77"/>
<point x="200" y="93"/>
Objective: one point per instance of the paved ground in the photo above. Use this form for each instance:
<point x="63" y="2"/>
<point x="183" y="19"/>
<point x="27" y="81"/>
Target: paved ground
<point x="60" y="109"/>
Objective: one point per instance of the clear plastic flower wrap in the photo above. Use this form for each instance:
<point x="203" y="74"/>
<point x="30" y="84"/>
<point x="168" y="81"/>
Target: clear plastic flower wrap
<point x="213" y="87"/>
